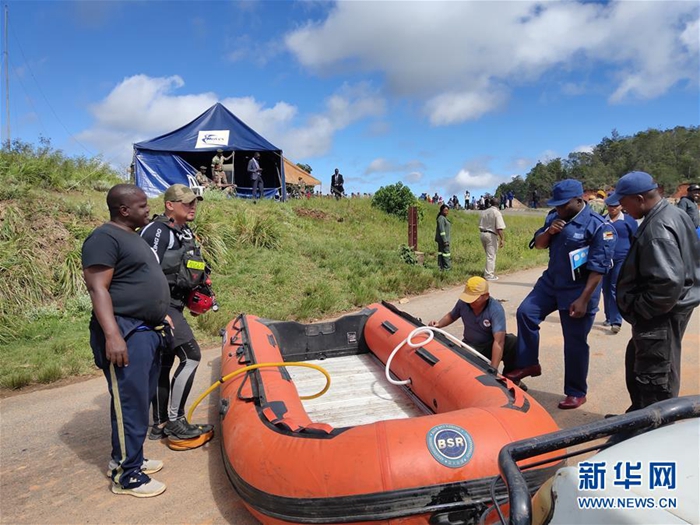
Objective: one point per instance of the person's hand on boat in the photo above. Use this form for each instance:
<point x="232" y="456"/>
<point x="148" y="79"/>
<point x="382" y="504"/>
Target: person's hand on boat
<point x="115" y="350"/>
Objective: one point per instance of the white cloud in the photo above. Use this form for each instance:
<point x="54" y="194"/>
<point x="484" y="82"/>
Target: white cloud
<point x="547" y="155"/>
<point x="453" y="108"/>
<point x="456" y="57"/>
<point x="520" y="164"/>
<point x="584" y="148"/>
<point x="414" y="176"/>
<point x="382" y="165"/>
<point x="143" y="107"/>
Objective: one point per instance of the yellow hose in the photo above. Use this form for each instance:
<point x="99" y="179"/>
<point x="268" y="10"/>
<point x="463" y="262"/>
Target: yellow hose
<point x="255" y="367"/>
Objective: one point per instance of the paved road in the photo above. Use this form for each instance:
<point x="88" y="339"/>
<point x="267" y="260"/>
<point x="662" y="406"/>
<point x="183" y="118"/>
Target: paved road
<point x="55" y="442"/>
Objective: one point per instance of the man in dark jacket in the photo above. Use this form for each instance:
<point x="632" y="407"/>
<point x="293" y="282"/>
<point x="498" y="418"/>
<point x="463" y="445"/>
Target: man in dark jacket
<point x="689" y="204"/>
<point x="337" y="181"/>
<point x="658" y="289"/>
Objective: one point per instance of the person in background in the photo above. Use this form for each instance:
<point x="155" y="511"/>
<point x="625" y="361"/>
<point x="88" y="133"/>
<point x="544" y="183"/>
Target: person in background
<point x="658" y="288"/>
<point x="337" y="181"/>
<point x="467" y="199"/>
<point x="570" y="284"/>
<point x="510" y="197"/>
<point x="535" y="199"/>
<point x="484" y="321"/>
<point x="443" y="238"/>
<point x="217" y="165"/>
<point x="491" y="226"/>
<point x="689" y="204"/>
<point x="130" y="297"/>
<point x="202" y="179"/>
<point x="255" y="173"/>
<point x="597" y="203"/>
<point x="625" y="227"/>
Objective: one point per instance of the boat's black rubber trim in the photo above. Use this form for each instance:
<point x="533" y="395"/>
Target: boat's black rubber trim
<point x="285" y="373"/>
<point x="427" y="356"/>
<point x="471" y="496"/>
<point x="389" y="327"/>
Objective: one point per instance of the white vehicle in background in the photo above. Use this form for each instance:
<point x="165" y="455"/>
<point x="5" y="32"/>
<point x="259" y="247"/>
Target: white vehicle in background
<point x="648" y="473"/>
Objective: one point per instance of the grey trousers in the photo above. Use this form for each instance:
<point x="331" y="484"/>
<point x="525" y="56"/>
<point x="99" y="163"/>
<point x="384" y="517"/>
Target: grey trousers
<point x="490" y="243"/>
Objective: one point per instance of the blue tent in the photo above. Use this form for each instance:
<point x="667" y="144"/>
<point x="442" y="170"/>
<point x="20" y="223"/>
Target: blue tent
<point x="168" y="159"/>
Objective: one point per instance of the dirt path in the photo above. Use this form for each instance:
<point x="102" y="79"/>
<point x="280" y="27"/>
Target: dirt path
<point x="55" y="443"/>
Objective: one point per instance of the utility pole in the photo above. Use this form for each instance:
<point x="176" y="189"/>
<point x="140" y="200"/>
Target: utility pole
<point x="7" y="80"/>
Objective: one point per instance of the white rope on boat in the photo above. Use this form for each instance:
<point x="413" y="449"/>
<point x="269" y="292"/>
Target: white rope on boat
<point x="430" y="331"/>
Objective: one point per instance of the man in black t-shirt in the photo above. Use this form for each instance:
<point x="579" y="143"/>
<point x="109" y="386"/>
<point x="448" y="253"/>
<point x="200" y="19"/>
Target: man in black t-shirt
<point x="130" y="298"/>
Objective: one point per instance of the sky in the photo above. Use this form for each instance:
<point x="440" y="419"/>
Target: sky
<point x="442" y="96"/>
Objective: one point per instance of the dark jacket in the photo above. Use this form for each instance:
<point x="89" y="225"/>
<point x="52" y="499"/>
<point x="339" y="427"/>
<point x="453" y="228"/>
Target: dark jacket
<point x="661" y="273"/>
<point x="690" y="207"/>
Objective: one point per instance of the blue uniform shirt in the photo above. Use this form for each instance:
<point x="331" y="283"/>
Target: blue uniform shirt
<point x="479" y="329"/>
<point x="625" y="227"/>
<point x="588" y="228"/>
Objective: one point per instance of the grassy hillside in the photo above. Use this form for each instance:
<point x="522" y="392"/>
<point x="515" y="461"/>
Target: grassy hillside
<point x="301" y="260"/>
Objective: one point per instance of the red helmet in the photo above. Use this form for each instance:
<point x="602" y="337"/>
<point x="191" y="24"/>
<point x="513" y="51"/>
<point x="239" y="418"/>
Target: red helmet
<point x="199" y="303"/>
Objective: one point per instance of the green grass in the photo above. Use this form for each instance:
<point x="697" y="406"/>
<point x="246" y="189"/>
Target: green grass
<point x="303" y="260"/>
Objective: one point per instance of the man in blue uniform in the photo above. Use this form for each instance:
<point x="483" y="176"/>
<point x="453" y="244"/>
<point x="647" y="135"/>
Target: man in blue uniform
<point x="581" y="246"/>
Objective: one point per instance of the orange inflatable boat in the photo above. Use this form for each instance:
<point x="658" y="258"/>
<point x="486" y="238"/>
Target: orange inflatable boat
<point x="342" y="458"/>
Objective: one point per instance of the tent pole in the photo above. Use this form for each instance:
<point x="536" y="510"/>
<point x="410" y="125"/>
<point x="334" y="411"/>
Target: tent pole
<point x="283" y="189"/>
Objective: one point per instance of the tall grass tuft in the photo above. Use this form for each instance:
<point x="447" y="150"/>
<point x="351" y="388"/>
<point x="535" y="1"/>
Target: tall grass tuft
<point x="69" y="275"/>
<point x="259" y="231"/>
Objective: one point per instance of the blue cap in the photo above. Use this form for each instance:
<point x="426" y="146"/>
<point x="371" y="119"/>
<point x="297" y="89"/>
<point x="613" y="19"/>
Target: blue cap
<point x="634" y="183"/>
<point x="612" y="201"/>
<point x="564" y="191"/>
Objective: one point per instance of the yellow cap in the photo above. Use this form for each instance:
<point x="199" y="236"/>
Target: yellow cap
<point x="475" y="288"/>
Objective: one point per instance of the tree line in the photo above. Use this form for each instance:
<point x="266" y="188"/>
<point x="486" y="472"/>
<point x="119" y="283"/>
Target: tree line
<point x="671" y="156"/>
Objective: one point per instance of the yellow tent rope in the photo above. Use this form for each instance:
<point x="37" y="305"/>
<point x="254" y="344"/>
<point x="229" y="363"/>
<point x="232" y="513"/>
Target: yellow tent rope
<point x="255" y="367"/>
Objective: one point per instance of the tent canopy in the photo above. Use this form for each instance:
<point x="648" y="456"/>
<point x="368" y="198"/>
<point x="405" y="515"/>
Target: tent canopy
<point x="168" y="159"/>
<point x="293" y="173"/>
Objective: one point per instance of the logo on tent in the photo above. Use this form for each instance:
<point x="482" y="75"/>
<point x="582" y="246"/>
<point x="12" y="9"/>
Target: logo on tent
<point x="207" y="139"/>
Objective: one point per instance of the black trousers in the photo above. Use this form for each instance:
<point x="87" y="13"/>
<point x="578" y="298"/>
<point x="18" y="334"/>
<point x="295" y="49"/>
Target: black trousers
<point x="510" y="352"/>
<point x="653" y="359"/>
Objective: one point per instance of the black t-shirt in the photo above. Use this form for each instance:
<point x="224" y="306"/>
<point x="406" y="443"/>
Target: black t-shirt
<point x="138" y="288"/>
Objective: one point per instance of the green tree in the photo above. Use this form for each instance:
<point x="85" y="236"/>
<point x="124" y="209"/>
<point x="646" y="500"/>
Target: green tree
<point x="395" y="200"/>
<point x="308" y="169"/>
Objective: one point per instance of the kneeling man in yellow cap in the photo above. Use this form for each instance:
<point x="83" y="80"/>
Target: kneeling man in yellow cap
<point x="484" y="322"/>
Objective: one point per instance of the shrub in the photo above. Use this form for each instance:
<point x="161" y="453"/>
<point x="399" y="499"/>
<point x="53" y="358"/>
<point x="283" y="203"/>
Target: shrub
<point x="407" y="255"/>
<point x="395" y="200"/>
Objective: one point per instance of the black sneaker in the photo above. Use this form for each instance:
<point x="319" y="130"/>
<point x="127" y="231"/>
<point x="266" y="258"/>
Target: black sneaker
<point x="157" y="433"/>
<point x="181" y="429"/>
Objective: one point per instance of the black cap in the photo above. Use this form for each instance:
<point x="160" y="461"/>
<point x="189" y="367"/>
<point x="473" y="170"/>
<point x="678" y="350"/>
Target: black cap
<point x="694" y="187"/>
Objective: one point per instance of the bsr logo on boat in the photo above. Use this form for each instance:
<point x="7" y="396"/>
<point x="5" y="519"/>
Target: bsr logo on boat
<point x="450" y="445"/>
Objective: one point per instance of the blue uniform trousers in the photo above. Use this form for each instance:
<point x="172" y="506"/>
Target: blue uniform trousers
<point x="612" y="313"/>
<point x="531" y="312"/>
<point x="131" y="389"/>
